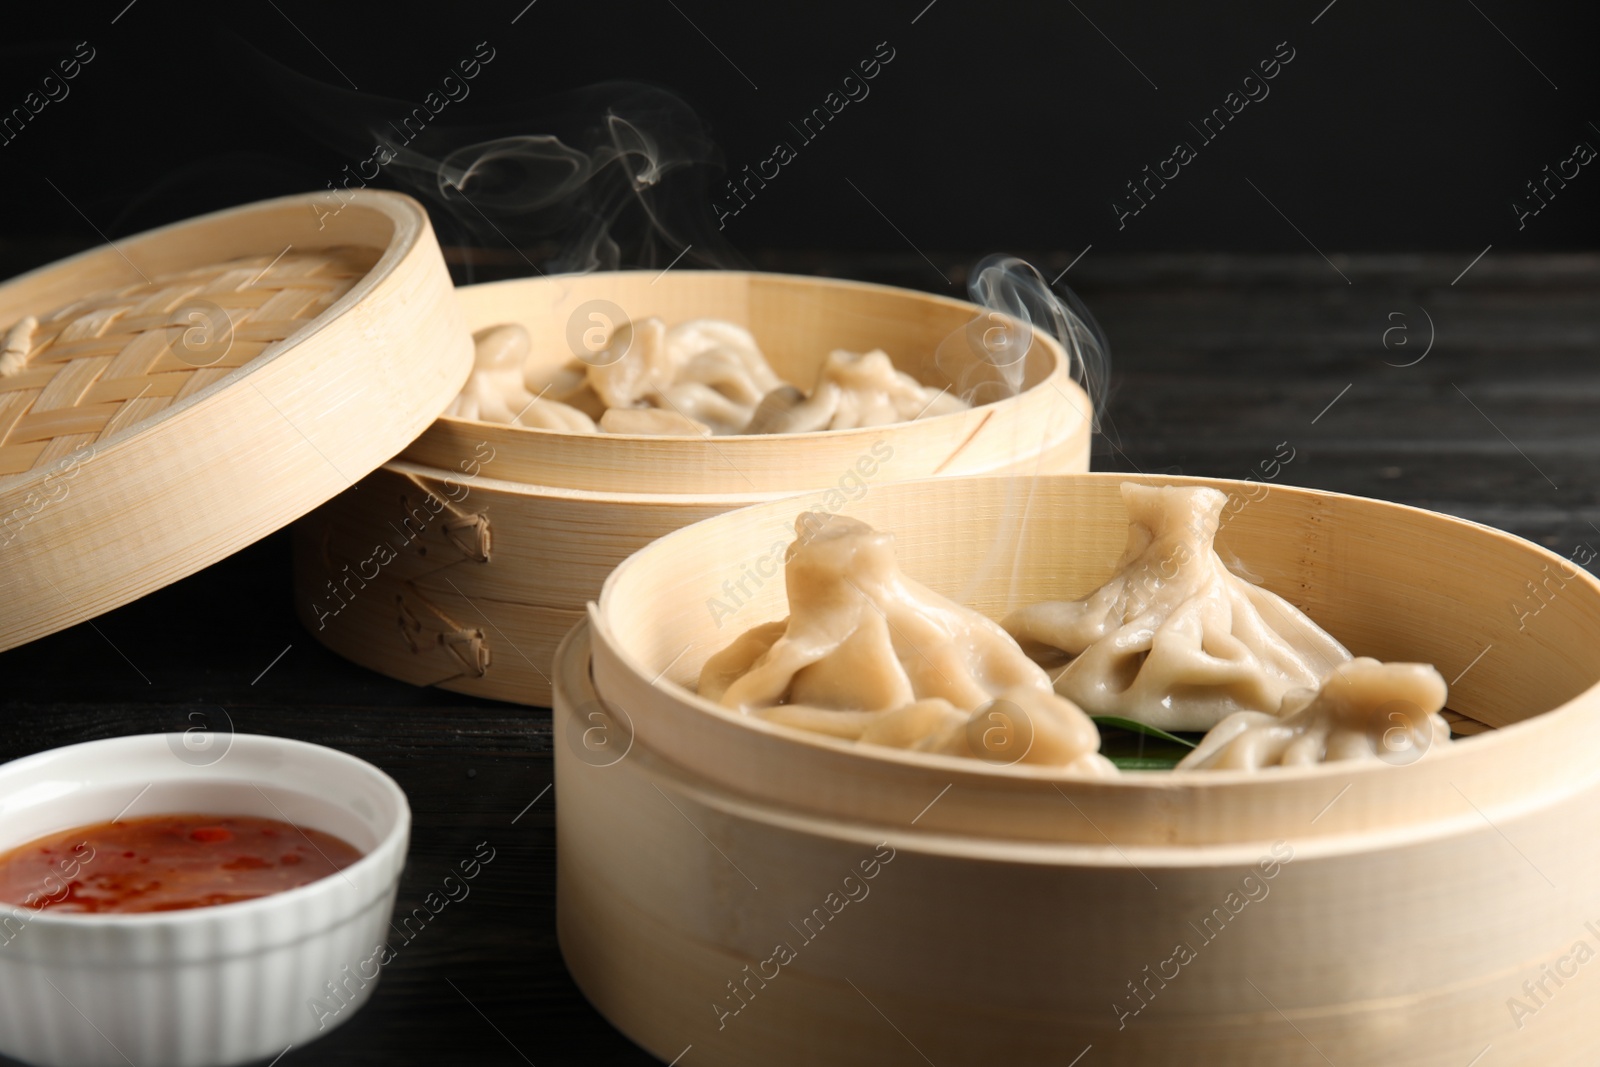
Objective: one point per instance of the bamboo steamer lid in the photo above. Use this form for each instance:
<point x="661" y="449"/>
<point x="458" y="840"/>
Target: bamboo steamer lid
<point x="172" y="397"/>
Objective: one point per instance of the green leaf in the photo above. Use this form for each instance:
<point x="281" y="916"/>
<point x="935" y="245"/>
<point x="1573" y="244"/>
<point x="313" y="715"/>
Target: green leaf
<point x="1144" y="763"/>
<point x="1134" y="746"/>
<point x="1118" y="723"/>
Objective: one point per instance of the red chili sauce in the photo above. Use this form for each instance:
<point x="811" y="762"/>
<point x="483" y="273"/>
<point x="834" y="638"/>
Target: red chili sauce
<point x="168" y="863"/>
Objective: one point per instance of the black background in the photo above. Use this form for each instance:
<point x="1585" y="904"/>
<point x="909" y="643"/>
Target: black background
<point x="995" y="127"/>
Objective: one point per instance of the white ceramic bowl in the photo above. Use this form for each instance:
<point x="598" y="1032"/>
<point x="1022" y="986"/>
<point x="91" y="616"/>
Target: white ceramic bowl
<point x="206" y="986"/>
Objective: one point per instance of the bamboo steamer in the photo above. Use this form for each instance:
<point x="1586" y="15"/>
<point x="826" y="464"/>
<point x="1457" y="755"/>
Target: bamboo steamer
<point x="466" y="560"/>
<point x="189" y="390"/>
<point x="1016" y="916"/>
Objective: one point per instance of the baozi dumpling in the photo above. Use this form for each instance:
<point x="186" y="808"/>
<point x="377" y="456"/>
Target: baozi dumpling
<point x="1176" y="640"/>
<point x="503" y="347"/>
<point x="721" y="374"/>
<point x="704" y="376"/>
<point x="1364" y="710"/>
<point x="868" y="654"/>
<point x="566" y="383"/>
<point x="544" y="414"/>
<point x="634" y="365"/>
<point x="705" y="405"/>
<point x="722" y="355"/>
<point x="862" y="636"/>
<point x="873" y="393"/>
<point x="494" y="391"/>
<point x="704" y="370"/>
<point x="787" y="410"/>
<point x="1024" y="724"/>
<point x="853" y="390"/>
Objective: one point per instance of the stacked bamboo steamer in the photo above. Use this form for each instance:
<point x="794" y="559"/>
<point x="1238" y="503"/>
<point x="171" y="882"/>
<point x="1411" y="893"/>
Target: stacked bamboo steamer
<point x="771" y="896"/>
<point x="466" y="560"/>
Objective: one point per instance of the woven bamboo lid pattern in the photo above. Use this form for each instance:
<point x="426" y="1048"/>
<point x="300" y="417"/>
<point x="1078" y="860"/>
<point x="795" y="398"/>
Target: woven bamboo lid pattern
<point x="235" y="370"/>
<point x="98" y="365"/>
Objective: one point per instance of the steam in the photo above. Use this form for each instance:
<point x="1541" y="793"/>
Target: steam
<point x="620" y="175"/>
<point x="615" y="175"/>
<point x="630" y="189"/>
<point x="987" y="360"/>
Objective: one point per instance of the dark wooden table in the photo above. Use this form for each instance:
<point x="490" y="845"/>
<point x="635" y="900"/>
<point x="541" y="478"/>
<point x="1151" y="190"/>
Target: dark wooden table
<point x="1217" y="361"/>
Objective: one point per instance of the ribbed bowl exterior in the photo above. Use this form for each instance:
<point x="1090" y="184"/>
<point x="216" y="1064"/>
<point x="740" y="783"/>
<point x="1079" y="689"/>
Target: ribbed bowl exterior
<point x="208" y="986"/>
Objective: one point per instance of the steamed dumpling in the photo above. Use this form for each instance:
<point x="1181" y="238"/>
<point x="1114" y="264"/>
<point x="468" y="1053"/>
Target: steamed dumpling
<point x="867" y="654"/>
<point x="496" y="390"/>
<point x="1023" y="724"/>
<point x="853" y="390"/>
<point x="1363" y="710"/>
<point x="720" y="376"/>
<point x="724" y="355"/>
<point x="873" y="393"/>
<point x="708" y="371"/>
<point x="718" y="412"/>
<point x="634" y="365"/>
<point x="703" y="376"/>
<point x="788" y="410"/>
<point x="862" y="636"/>
<point x="545" y="414"/>
<point x="566" y="384"/>
<point x="1176" y="640"/>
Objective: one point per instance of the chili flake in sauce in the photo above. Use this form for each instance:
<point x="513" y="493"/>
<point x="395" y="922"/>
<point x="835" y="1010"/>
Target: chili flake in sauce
<point x="168" y="863"/>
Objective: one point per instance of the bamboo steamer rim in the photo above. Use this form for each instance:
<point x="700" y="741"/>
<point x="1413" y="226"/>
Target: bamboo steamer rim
<point x="562" y="492"/>
<point x="1041" y="337"/>
<point x="761" y="463"/>
<point x="574" y="687"/>
<point x="1544" y="742"/>
<point x="418" y="469"/>
<point x="961" y="767"/>
<point x="262" y="415"/>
